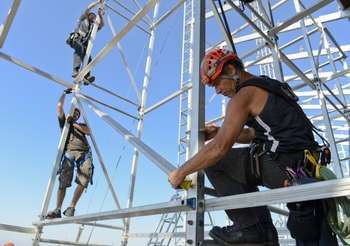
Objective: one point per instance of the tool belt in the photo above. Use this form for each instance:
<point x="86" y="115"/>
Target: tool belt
<point x="306" y="218"/>
<point x="308" y="166"/>
<point x="72" y="37"/>
<point x="75" y="37"/>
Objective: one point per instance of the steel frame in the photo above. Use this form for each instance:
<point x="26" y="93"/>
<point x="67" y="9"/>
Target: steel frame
<point x="5" y="28"/>
<point x="195" y="204"/>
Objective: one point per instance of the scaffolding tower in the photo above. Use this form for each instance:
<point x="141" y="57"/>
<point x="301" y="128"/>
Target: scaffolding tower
<point x="299" y="47"/>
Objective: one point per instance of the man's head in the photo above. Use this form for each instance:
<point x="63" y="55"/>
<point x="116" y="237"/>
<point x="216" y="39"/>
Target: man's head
<point x="76" y="114"/>
<point x="221" y="69"/>
<point x="91" y="17"/>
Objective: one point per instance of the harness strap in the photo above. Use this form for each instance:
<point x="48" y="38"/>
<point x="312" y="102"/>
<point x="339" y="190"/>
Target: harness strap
<point x="284" y="91"/>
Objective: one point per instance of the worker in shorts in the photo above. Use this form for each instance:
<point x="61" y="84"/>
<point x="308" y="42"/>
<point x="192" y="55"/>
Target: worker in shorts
<point x="76" y="155"/>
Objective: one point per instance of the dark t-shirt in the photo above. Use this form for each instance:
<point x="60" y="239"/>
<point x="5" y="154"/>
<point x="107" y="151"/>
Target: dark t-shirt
<point x="76" y="139"/>
<point x="282" y="126"/>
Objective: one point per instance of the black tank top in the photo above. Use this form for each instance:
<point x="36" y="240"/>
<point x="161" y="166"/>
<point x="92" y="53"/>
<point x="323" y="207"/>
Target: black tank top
<point x="281" y="126"/>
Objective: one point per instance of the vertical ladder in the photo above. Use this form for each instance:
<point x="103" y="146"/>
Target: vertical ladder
<point x="186" y="72"/>
<point x="169" y="222"/>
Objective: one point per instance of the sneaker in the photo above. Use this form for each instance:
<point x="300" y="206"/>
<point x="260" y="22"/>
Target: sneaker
<point x="54" y="214"/>
<point x="69" y="212"/>
<point x="232" y="235"/>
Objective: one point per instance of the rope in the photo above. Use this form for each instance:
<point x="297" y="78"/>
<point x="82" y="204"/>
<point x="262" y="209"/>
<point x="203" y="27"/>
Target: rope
<point x="226" y="26"/>
<point x="338" y="210"/>
<point x="106" y="193"/>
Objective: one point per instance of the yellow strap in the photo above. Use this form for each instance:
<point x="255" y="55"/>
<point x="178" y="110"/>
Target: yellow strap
<point x="310" y="157"/>
<point x="312" y="160"/>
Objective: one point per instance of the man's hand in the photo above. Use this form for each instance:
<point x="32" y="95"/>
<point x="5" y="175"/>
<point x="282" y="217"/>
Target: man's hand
<point x="176" y="178"/>
<point x="101" y="12"/>
<point x="70" y="119"/>
<point x="210" y="131"/>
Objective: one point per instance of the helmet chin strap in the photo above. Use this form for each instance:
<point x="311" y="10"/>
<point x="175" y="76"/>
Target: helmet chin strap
<point x="236" y="78"/>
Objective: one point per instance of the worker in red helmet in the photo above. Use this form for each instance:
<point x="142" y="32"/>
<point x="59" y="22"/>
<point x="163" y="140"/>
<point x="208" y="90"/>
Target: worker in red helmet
<point x="9" y="243"/>
<point x="262" y="112"/>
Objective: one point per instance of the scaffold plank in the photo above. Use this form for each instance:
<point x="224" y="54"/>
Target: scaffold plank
<point x="306" y="192"/>
<point x="158" y="208"/>
<point x="60" y="242"/>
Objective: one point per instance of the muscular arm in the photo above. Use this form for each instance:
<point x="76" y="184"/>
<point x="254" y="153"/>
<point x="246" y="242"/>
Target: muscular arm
<point x="246" y="136"/>
<point x="82" y="127"/>
<point x="102" y="23"/>
<point x="60" y="112"/>
<point x="237" y="113"/>
<point x="88" y="9"/>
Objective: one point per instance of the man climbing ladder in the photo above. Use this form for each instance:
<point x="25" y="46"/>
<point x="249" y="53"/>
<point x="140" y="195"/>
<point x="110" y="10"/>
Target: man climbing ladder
<point x="77" y="154"/>
<point x="79" y="39"/>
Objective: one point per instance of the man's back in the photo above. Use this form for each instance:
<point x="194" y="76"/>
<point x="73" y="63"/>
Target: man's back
<point x="281" y="125"/>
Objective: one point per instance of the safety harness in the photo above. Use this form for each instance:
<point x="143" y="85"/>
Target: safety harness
<point x="67" y="157"/>
<point x="313" y="167"/>
<point x="78" y="35"/>
<point x="284" y="91"/>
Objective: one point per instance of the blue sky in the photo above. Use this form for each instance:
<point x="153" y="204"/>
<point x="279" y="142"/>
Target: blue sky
<point x="29" y="128"/>
<point x="30" y="132"/>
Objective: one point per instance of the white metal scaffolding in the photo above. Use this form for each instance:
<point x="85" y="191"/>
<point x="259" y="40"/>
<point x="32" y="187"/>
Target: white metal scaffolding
<point x="300" y="48"/>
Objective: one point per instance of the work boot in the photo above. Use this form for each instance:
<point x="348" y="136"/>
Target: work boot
<point x="233" y="235"/>
<point x="56" y="213"/>
<point x="88" y="79"/>
<point x="75" y="73"/>
<point x="271" y="235"/>
<point x="69" y="212"/>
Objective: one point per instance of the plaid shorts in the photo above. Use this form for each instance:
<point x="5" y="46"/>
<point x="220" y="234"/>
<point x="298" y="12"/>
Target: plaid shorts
<point x="80" y="159"/>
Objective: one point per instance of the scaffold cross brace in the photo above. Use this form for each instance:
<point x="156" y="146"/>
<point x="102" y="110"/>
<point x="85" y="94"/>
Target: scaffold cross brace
<point x="151" y="154"/>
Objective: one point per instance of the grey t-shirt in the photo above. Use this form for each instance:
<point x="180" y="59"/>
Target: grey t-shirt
<point x="76" y="139"/>
<point x="84" y="28"/>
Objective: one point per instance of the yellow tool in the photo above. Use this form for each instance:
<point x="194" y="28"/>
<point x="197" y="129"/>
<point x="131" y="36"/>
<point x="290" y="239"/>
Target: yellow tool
<point x="186" y="184"/>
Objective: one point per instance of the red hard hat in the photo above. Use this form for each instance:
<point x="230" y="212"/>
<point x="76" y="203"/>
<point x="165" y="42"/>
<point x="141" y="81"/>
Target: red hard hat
<point x="213" y="62"/>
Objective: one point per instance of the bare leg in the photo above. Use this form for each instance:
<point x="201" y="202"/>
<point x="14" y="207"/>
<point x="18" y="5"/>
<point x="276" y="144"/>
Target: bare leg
<point x="61" y="193"/>
<point x="77" y="194"/>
